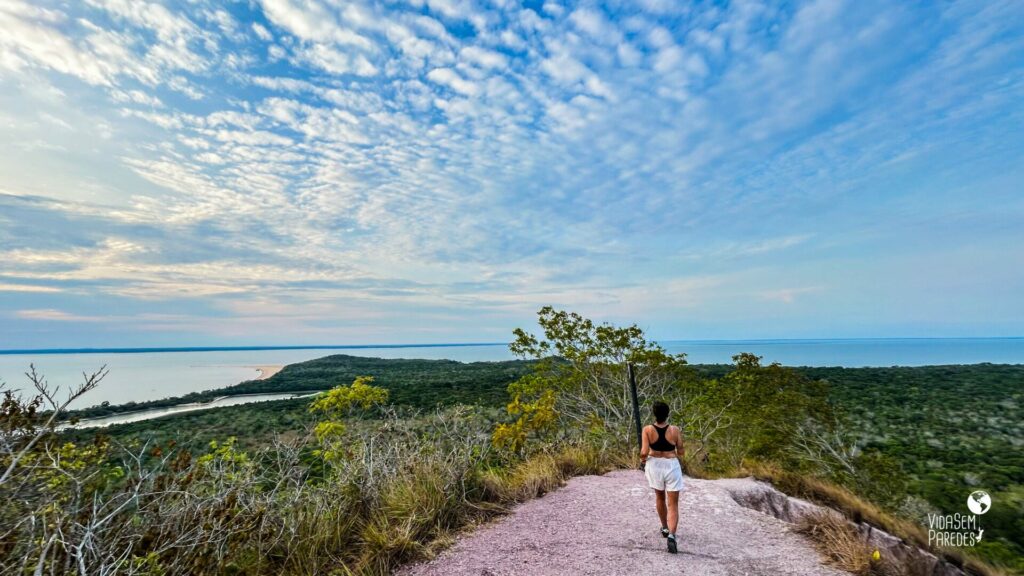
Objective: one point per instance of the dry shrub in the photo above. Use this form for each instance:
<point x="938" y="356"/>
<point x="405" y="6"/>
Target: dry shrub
<point x="844" y="547"/>
<point x="578" y="460"/>
<point x="860" y="511"/>
<point x="852" y="506"/>
<point x="545" y="472"/>
<point x="695" y="463"/>
<point x="422" y="499"/>
<point x="526" y="480"/>
<point x="387" y="542"/>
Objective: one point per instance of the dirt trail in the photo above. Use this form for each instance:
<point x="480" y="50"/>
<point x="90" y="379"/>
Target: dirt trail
<point x="607" y="525"/>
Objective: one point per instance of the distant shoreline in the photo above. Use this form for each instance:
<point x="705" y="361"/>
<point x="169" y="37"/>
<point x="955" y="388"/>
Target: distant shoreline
<point x="237" y="348"/>
<point x="144" y="414"/>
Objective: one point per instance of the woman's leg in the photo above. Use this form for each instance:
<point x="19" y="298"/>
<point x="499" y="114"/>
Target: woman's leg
<point x="673" y="511"/>
<point x="659" y="499"/>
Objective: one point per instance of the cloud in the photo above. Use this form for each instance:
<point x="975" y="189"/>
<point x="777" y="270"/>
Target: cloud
<point x="30" y="38"/>
<point x="788" y="295"/>
<point x="4" y="287"/>
<point x="465" y="160"/>
<point x="49" y="39"/>
<point x="337" y="61"/>
<point x="292" y="85"/>
<point x="484" y="58"/>
<point x="312" y="21"/>
<point x="757" y="247"/>
<point x="51" y="315"/>
<point x="136" y="97"/>
<point x="595" y="25"/>
<point x="261" y="32"/>
<point x="450" y="78"/>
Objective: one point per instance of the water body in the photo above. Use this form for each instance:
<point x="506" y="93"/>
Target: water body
<point x="857" y="352"/>
<point x="154" y="374"/>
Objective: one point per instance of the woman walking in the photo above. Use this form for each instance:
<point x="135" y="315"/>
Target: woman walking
<point x="659" y="458"/>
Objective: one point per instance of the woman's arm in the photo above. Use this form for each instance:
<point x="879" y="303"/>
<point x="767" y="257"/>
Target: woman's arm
<point x="680" y="449"/>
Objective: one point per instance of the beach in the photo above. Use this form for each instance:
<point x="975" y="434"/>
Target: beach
<point x="267" y="371"/>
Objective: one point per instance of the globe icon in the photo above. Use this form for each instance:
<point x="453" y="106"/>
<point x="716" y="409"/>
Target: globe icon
<point x="979" y="502"/>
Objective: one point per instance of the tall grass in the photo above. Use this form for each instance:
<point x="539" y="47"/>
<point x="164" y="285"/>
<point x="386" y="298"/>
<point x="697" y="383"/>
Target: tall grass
<point x="844" y="548"/>
<point x="396" y="489"/>
<point x="835" y="537"/>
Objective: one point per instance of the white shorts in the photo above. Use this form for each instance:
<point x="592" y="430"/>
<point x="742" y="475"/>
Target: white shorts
<point x="664" y="474"/>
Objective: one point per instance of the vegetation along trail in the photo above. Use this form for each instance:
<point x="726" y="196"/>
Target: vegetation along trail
<point x="396" y="458"/>
<point x="607" y="525"/>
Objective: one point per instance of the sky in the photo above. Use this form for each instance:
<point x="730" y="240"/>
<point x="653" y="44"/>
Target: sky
<point x="343" y="172"/>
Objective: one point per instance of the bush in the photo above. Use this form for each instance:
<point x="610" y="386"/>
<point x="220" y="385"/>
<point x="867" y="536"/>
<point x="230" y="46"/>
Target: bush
<point x="844" y="547"/>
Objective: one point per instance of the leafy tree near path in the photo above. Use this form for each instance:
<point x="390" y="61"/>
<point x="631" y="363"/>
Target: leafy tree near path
<point x="578" y="390"/>
<point x="764" y="405"/>
<point x="579" y="386"/>
<point x="343" y="402"/>
<point x="579" y="380"/>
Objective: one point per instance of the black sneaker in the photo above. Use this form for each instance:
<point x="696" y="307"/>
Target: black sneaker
<point x="665" y="532"/>
<point x="672" y="544"/>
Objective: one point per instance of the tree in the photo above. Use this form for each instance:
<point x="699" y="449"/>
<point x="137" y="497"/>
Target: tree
<point x="579" y="379"/>
<point x="341" y="402"/>
<point x="24" y="423"/>
<point x="765" y="406"/>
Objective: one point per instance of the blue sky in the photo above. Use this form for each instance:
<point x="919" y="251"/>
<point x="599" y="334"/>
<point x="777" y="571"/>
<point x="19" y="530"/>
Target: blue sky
<point x="326" y="171"/>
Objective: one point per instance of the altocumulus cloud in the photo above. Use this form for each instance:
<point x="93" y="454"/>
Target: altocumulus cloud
<point x="436" y="170"/>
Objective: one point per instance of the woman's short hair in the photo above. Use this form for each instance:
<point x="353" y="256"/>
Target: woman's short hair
<point x="660" y="410"/>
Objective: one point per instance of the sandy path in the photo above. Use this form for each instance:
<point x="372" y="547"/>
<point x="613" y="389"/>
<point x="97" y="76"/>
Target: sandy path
<point x="607" y="525"/>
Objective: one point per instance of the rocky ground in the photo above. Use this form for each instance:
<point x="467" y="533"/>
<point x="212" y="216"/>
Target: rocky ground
<point x="607" y="525"/>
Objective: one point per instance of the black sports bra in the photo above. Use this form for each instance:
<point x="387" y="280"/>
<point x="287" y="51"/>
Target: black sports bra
<point x="662" y="444"/>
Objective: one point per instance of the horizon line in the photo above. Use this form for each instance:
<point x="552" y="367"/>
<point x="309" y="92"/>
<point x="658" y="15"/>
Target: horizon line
<point x="152" y="349"/>
<point x="240" y="348"/>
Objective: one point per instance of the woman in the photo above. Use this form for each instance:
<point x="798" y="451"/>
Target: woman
<point x="659" y="459"/>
